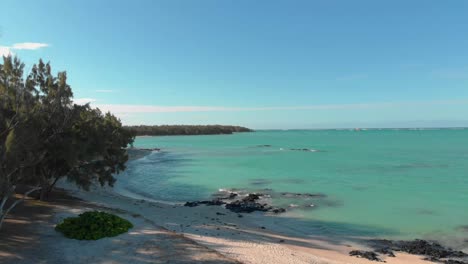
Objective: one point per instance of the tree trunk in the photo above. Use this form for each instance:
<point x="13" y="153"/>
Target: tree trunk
<point x="43" y="195"/>
<point x="3" y="213"/>
<point x="51" y="187"/>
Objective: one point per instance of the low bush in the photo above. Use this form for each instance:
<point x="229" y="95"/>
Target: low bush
<point x="93" y="225"/>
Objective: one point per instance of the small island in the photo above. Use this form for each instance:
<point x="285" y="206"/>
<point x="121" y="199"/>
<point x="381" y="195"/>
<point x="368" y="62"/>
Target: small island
<point x="185" y="130"/>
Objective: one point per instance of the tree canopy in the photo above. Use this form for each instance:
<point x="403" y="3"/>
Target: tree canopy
<point x="173" y="130"/>
<point x="44" y="136"/>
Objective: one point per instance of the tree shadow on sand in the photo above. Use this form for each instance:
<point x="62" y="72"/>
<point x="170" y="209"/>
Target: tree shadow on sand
<point x="29" y="236"/>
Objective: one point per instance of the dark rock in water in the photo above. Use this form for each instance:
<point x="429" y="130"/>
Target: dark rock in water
<point x="150" y="149"/>
<point x="303" y="195"/>
<point x="366" y="254"/>
<point x="242" y="206"/>
<point x="218" y="213"/>
<point x="386" y="251"/>
<point x="191" y="204"/>
<point x="381" y="243"/>
<point x="247" y="204"/>
<point x="278" y="210"/>
<point x="304" y="149"/>
<point x="209" y="203"/>
<point x="229" y="197"/>
<point x="263" y="146"/>
<point x="433" y="250"/>
<point x="213" y="202"/>
<point x="252" y="197"/>
<point x="452" y="261"/>
<point x="225" y="195"/>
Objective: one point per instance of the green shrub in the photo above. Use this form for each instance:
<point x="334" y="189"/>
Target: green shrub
<point x="93" y="225"/>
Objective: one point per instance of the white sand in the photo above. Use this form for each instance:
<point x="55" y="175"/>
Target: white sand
<point x="242" y="239"/>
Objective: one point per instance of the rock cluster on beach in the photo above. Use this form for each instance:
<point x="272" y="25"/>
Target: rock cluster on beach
<point x="370" y="255"/>
<point x="432" y="250"/>
<point x="240" y="202"/>
<point x="210" y="202"/>
<point x="247" y="204"/>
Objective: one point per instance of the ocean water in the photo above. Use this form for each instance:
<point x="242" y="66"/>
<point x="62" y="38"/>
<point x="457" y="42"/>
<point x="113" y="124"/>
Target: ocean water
<point x="382" y="183"/>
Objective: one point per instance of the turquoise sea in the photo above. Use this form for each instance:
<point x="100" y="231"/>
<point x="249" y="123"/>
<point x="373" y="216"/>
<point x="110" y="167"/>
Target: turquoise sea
<point x="383" y="183"/>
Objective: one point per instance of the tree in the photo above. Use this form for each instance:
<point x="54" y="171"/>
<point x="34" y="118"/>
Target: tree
<point x="89" y="146"/>
<point x="45" y="137"/>
<point x="19" y="150"/>
<point x="55" y="117"/>
<point x="95" y="152"/>
<point x="170" y="130"/>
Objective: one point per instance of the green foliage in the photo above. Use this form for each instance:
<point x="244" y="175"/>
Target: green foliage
<point x="93" y="226"/>
<point x="173" y="130"/>
<point x="44" y="136"/>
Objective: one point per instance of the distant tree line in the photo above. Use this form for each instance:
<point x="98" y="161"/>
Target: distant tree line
<point x="173" y="130"/>
<point x="45" y="137"/>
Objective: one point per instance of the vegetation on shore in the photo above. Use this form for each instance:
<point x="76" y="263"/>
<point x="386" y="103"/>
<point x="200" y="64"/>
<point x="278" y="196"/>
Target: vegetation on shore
<point x="44" y="136"/>
<point x="93" y="226"/>
<point x="173" y="130"/>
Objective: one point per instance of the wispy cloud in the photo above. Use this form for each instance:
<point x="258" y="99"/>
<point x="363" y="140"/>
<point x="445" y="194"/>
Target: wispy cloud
<point x="124" y="108"/>
<point x="29" y="46"/>
<point x="82" y="101"/>
<point x="9" y="50"/>
<point x="104" y="91"/>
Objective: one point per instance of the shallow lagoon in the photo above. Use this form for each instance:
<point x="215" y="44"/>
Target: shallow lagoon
<point x="391" y="183"/>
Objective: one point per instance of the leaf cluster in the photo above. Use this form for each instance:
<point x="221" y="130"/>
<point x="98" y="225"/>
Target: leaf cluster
<point x="93" y="226"/>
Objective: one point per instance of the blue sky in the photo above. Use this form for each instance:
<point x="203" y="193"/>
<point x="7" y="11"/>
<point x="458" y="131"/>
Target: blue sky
<point x="262" y="64"/>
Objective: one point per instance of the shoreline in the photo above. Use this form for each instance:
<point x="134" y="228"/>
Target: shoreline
<point x="252" y="238"/>
<point x="29" y="237"/>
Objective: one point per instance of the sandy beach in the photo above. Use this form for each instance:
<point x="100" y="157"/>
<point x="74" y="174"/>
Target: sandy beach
<point x="166" y="233"/>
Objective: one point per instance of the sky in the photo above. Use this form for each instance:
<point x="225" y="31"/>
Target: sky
<point x="261" y="64"/>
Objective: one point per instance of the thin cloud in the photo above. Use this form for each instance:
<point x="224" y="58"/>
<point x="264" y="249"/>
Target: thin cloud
<point x="124" y="108"/>
<point x="104" y="91"/>
<point x="29" y="46"/>
<point x="82" y="101"/>
<point x="9" y="50"/>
